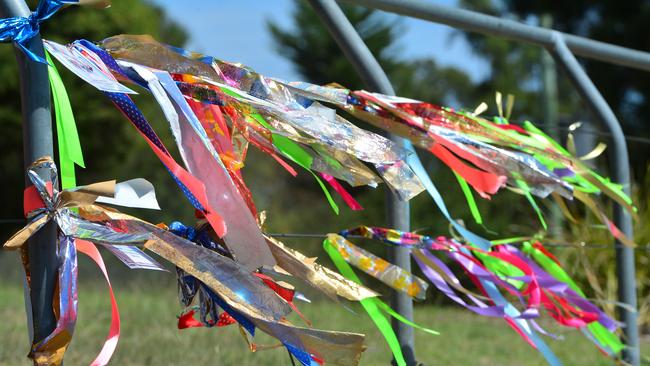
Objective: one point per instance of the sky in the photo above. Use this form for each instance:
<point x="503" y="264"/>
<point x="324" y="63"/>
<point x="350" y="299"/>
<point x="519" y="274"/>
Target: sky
<point x="235" y="30"/>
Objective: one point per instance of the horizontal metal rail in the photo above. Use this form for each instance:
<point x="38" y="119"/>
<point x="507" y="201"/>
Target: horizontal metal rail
<point x="509" y="29"/>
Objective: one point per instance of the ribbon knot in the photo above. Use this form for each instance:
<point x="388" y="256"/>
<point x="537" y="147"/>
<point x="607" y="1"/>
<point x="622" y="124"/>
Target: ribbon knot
<point x="44" y="202"/>
<point x="20" y="30"/>
<point x="43" y="194"/>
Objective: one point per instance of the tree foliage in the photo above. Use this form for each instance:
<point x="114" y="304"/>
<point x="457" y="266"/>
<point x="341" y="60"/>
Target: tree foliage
<point x="516" y="66"/>
<point x="111" y="146"/>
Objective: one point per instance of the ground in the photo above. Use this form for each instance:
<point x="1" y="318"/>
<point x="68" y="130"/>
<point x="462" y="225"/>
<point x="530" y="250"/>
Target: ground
<point x="149" y="306"/>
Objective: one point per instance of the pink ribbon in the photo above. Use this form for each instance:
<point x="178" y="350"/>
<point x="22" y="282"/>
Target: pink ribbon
<point x="110" y="344"/>
<point x="347" y="197"/>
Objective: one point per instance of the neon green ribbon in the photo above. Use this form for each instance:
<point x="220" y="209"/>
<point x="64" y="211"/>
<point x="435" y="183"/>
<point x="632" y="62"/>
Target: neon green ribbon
<point x="68" y="139"/>
<point x="383" y="306"/>
<point x="524" y="187"/>
<point x="473" y="208"/>
<point x="298" y="155"/>
<point x="374" y="307"/>
<point x="369" y="304"/>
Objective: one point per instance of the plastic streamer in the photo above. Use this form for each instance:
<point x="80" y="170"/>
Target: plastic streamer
<point x="374" y="306"/>
<point x="392" y="275"/>
<point x="476" y="214"/>
<point x="532" y="273"/>
<point x="244" y="236"/>
<point x="319" y="277"/>
<point x="43" y="202"/>
<point x="104" y="356"/>
<point x="50" y="350"/>
<point x="225" y="265"/>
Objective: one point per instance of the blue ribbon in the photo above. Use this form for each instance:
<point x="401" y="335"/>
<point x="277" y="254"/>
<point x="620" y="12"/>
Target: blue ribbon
<point x="21" y="29"/>
<point x="522" y="324"/>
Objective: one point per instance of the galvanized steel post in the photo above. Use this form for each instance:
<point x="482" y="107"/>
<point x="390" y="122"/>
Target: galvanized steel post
<point x="397" y="211"/>
<point x="37" y="142"/>
<point x="509" y="29"/>
<point x="620" y="172"/>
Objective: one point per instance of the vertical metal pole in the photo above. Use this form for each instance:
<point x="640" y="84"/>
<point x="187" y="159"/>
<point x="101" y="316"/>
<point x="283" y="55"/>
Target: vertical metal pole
<point x="397" y="211"/>
<point x="620" y="172"/>
<point x="549" y="82"/>
<point x="37" y="142"/>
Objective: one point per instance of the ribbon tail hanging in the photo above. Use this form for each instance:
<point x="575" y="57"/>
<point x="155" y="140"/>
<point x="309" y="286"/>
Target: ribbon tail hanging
<point x="68" y="138"/>
<point x="110" y="344"/>
<point x="368" y="304"/>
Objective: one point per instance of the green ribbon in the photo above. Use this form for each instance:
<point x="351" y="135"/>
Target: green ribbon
<point x="66" y="129"/>
<point x="383" y="306"/>
<point x="602" y="334"/>
<point x="288" y="148"/>
<point x="329" y="159"/>
<point x="369" y="304"/>
<point x="374" y="306"/>
<point x="473" y="208"/>
<point x="505" y="270"/>
<point x="298" y="155"/>
<point x="526" y="189"/>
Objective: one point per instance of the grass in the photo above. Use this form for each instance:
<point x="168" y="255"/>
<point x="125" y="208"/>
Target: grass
<point x="148" y="306"/>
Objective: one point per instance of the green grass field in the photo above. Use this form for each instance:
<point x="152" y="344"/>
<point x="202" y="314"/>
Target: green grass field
<point x="148" y="306"/>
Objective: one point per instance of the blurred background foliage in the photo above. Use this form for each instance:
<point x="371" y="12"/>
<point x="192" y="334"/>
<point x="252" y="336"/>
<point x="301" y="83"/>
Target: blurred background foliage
<point x="113" y="150"/>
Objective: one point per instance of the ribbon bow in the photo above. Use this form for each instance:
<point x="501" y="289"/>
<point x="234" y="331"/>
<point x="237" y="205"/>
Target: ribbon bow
<point x="43" y="202"/>
<point x="21" y="29"/>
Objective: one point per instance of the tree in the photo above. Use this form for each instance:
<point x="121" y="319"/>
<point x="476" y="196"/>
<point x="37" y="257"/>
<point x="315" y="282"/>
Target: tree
<point x="111" y="146"/>
<point x="622" y="23"/>
<point x="318" y="59"/>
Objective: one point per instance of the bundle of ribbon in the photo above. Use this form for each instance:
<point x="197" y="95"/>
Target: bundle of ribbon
<point x="484" y="155"/>
<point x="215" y="109"/>
<point x="248" y="298"/>
<point x="494" y="154"/>
<point x="46" y="205"/>
<point x="532" y="276"/>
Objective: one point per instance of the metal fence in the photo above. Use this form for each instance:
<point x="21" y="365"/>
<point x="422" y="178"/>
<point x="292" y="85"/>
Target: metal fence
<point x="561" y="46"/>
<point x="37" y="135"/>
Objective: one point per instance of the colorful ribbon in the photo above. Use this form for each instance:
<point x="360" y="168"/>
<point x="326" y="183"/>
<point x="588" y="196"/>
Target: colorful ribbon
<point x="535" y="279"/>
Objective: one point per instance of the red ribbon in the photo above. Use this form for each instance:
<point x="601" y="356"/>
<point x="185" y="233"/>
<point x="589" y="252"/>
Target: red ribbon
<point x="192" y="183"/>
<point x="32" y="199"/>
<point x="485" y="183"/>
<point x="347" y="197"/>
<point x="187" y="321"/>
